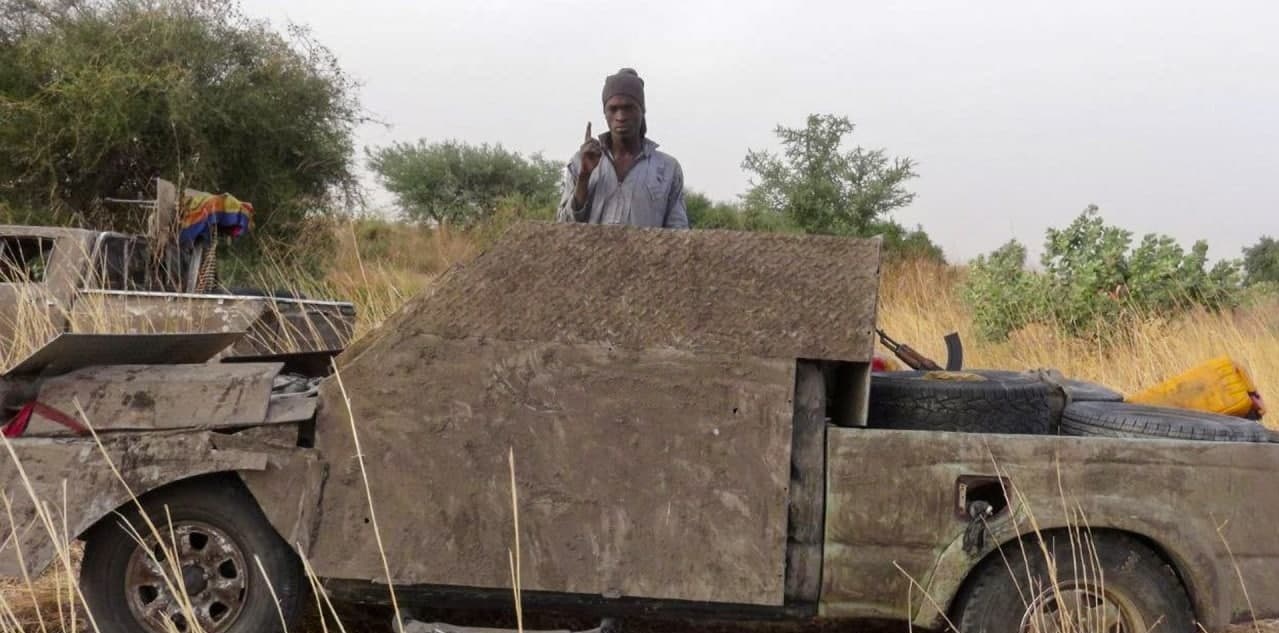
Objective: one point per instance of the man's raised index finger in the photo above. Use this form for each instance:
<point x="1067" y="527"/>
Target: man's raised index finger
<point x="588" y="130"/>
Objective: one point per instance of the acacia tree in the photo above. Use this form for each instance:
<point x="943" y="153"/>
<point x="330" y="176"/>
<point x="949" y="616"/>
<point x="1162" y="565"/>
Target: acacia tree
<point x="458" y="183"/>
<point x="97" y="98"/>
<point x="822" y="188"/>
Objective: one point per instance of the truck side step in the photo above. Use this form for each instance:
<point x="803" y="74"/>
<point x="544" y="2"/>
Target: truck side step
<point x="607" y="625"/>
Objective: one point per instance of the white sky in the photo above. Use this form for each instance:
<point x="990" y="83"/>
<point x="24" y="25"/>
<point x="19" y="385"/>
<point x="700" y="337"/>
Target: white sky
<point x="1019" y="113"/>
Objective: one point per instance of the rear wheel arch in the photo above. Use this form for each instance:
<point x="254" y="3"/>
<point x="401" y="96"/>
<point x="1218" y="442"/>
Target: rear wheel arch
<point x="230" y="478"/>
<point x="225" y="521"/>
<point x="176" y="486"/>
<point x="1200" y="602"/>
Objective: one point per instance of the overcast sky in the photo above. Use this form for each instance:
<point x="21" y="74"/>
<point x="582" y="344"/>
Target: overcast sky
<point x="1018" y="113"/>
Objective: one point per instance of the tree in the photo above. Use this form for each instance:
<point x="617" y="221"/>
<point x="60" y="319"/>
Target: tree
<point x="822" y="189"/>
<point x="97" y="98"/>
<point x="453" y="182"/>
<point x="1261" y="262"/>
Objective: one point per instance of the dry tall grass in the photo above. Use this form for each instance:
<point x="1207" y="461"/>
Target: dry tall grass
<point x="920" y="303"/>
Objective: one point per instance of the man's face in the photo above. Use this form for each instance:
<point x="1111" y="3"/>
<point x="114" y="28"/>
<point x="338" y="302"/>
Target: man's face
<point x="623" y="115"/>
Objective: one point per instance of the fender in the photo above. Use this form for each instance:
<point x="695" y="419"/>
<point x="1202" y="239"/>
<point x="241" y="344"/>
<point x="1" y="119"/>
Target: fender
<point x="1196" y="562"/>
<point x="74" y="485"/>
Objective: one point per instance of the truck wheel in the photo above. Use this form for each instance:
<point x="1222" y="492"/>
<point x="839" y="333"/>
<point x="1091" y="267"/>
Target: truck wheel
<point x="973" y="401"/>
<point x="1114" y="585"/>
<point x="1108" y="419"/>
<point x="219" y="531"/>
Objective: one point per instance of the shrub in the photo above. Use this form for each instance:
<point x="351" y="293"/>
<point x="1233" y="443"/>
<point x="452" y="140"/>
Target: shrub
<point x="1091" y="277"/>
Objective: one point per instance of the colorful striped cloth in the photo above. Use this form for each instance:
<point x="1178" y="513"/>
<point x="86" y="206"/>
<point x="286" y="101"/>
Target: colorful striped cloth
<point x="203" y="212"/>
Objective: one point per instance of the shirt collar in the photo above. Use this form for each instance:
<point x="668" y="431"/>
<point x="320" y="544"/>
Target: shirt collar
<point x="646" y="148"/>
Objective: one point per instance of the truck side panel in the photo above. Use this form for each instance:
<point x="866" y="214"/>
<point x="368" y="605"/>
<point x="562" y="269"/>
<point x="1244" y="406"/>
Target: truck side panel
<point x="654" y="474"/>
<point x="893" y="520"/>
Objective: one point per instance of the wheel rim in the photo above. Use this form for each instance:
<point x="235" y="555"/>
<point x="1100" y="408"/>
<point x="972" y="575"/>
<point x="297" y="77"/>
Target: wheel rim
<point x="1081" y="609"/>
<point x="211" y="571"/>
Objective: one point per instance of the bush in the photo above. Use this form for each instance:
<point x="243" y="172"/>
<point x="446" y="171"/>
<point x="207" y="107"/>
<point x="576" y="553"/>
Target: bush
<point x="1092" y="278"/>
<point x="509" y="210"/>
<point x="705" y="214"/>
<point x="1003" y="295"/>
<point x="902" y="243"/>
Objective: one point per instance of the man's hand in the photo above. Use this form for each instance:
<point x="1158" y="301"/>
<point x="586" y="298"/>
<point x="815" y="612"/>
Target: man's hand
<point x="591" y="153"/>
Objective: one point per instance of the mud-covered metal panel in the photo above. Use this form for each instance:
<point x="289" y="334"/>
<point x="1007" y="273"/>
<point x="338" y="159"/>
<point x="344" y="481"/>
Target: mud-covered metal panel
<point x="653" y="473"/>
<point x="72" y="475"/>
<point x="766" y="295"/>
<point x="146" y="397"/>
<point x="289" y="489"/>
<point x="892" y="512"/>
<point x="70" y="351"/>
<point x="291" y="409"/>
<point x="135" y="312"/>
<point x="298" y="326"/>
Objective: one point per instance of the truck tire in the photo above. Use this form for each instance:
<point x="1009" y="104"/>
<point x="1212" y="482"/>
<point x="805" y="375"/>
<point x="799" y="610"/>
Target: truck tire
<point x="219" y="531"/>
<point x="1114" y="583"/>
<point x="971" y="401"/>
<point x="1108" y="419"/>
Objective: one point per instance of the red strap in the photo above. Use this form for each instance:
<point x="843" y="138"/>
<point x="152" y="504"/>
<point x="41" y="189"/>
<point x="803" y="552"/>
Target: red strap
<point x="18" y="425"/>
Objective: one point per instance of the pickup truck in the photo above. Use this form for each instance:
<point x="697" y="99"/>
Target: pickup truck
<point x="626" y="424"/>
<point x="76" y="280"/>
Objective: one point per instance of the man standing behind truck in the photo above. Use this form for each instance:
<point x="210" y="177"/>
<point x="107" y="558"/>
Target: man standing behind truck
<point x="636" y="185"/>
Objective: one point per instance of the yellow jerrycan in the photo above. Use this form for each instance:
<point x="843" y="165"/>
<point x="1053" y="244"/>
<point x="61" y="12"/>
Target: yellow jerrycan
<point x="1219" y="385"/>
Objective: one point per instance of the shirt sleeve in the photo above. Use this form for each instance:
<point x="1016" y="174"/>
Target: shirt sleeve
<point x="676" y="213"/>
<point x="568" y="187"/>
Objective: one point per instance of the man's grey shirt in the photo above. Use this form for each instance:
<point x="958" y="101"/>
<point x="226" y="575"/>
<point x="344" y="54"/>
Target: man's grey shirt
<point x="652" y="194"/>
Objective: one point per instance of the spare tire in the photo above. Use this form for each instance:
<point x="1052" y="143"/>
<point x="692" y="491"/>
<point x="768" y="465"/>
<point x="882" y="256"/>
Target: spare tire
<point x="1078" y="390"/>
<point x="970" y="401"/>
<point x="1109" y="419"/>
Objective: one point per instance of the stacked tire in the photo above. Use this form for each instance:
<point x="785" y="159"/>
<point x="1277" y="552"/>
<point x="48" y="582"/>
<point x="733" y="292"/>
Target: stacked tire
<point x="994" y="401"/>
<point x="1141" y="421"/>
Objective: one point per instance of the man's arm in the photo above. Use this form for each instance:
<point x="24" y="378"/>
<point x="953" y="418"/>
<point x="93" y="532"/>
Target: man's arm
<point x="676" y="213"/>
<point x="572" y="189"/>
<point x="575" y="199"/>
